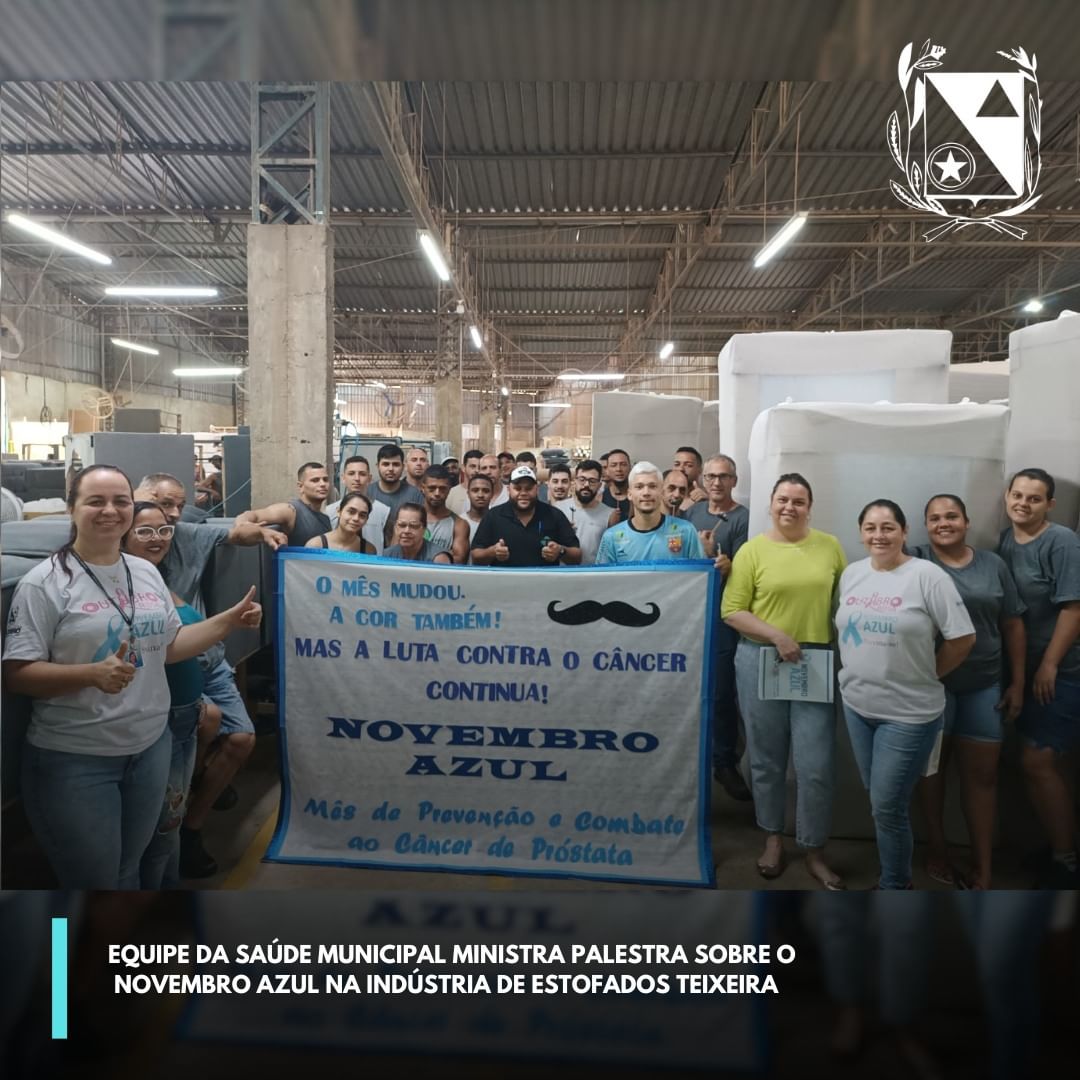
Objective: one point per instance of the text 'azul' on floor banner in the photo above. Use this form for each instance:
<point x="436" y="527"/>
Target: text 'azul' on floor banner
<point x="543" y="722"/>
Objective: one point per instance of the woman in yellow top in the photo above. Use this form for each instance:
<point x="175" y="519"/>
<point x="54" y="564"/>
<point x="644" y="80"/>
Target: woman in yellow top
<point x="779" y="595"/>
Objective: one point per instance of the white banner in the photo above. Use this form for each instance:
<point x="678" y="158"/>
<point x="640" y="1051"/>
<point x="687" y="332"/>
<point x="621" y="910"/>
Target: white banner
<point x="544" y="722"/>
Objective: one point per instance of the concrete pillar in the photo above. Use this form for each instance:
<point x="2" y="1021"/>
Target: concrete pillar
<point x="290" y="381"/>
<point x="448" y="413"/>
<point x="487" y="429"/>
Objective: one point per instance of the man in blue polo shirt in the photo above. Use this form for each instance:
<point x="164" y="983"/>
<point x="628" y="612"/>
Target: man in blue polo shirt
<point x="648" y="535"/>
<point x="524" y="531"/>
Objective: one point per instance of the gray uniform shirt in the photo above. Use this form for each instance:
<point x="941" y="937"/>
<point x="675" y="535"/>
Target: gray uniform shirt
<point x="729" y="534"/>
<point x="1047" y="575"/>
<point x="183" y="568"/>
<point x="441" y="532"/>
<point x="406" y="493"/>
<point x="990" y="595"/>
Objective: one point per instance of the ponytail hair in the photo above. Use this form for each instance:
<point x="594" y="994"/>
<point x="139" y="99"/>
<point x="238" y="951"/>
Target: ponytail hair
<point x="60" y="557"/>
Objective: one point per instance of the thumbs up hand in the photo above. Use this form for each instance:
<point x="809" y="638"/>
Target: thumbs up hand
<point x="247" y="613"/>
<point x="114" y="673"/>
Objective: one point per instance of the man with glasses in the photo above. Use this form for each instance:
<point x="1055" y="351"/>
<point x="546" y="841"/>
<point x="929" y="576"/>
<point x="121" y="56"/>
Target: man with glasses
<point x="586" y="512"/>
<point x="722" y="525"/>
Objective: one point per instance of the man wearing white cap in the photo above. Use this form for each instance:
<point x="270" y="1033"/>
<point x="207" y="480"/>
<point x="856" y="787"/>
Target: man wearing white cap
<point x="524" y="531"/>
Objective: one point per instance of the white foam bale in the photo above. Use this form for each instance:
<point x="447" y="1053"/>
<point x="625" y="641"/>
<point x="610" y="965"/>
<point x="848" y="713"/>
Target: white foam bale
<point x="1044" y="395"/>
<point x="708" y="440"/>
<point x="853" y="453"/>
<point x="985" y="382"/>
<point x="649" y="427"/>
<point x="758" y="371"/>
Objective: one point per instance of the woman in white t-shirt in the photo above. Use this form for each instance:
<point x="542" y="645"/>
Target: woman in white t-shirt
<point x="892" y="610"/>
<point x="89" y="633"/>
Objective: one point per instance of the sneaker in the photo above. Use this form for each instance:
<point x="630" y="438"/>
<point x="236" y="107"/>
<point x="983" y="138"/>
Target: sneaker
<point x="730" y="779"/>
<point x="227" y="799"/>
<point x="195" y="860"/>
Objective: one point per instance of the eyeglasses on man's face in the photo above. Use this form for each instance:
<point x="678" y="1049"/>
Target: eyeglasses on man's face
<point x="718" y="478"/>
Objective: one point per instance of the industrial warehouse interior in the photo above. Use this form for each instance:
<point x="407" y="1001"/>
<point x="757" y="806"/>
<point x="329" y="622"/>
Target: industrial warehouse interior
<point x="720" y="365"/>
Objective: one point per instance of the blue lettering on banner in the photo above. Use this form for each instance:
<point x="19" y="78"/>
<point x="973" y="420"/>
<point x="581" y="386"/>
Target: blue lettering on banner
<point x="569" y="852"/>
<point x="457" y="620"/>
<point x="318" y="647"/>
<point x="408" y="590"/>
<point x="617" y="660"/>
<point x="360" y="587"/>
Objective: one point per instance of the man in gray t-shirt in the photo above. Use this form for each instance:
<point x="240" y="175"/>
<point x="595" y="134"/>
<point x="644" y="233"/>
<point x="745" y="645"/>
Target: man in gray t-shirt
<point x="390" y="488"/>
<point x="722" y="525"/>
<point x="1045" y="562"/>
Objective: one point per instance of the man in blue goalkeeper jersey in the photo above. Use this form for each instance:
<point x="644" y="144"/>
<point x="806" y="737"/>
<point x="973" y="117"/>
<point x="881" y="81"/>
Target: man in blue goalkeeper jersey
<point x="648" y="535"/>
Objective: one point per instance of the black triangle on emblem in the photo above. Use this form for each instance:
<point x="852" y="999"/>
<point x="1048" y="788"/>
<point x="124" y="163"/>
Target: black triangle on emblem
<point x="997" y="103"/>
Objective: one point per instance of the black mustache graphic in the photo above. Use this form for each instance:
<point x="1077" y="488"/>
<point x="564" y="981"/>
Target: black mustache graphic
<point x="590" y="611"/>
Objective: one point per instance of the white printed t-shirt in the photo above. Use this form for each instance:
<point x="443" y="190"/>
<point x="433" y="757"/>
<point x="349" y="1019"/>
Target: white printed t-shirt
<point x="887" y="623"/>
<point x="71" y="622"/>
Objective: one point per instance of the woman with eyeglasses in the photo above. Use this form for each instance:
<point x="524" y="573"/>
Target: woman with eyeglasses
<point x="352" y="515"/>
<point x="410" y="522"/>
<point x="150" y="538"/>
<point x="89" y="633"/>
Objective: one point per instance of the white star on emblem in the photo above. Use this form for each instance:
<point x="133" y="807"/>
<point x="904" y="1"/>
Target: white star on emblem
<point x="950" y="168"/>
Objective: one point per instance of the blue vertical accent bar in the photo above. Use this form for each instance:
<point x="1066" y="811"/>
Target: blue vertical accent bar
<point x="59" y="978"/>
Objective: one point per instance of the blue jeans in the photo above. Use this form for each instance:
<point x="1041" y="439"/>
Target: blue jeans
<point x="975" y="715"/>
<point x="888" y="934"/>
<point x="725" y="714"/>
<point x="94" y="815"/>
<point x="808" y="730"/>
<point x="160" y="865"/>
<point x="891" y="757"/>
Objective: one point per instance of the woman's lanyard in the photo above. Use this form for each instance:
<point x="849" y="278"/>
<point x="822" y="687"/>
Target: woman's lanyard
<point x="129" y="619"/>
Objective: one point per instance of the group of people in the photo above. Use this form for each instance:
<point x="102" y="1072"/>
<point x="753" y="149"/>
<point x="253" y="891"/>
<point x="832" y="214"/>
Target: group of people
<point x="939" y="646"/>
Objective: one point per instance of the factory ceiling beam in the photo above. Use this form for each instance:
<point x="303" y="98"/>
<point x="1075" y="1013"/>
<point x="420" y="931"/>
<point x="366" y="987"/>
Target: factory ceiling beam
<point x="383" y="107"/>
<point x="692" y="242"/>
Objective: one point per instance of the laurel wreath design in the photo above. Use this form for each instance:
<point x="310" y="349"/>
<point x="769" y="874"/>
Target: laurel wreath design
<point x="930" y="57"/>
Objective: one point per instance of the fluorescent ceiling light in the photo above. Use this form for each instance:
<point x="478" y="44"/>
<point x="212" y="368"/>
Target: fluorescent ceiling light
<point x="431" y="250"/>
<point x="120" y="343"/>
<point x="1033" y="305"/>
<point x="43" y="232"/>
<point x="207" y="372"/>
<point x="151" y="291"/>
<point x="549" y="404"/>
<point x="780" y="240"/>
<point x="420" y="401"/>
<point x="667" y="350"/>
<point x="477" y="340"/>
<point x="506" y="391"/>
<point x="378" y="385"/>
<point x="596" y="376"/>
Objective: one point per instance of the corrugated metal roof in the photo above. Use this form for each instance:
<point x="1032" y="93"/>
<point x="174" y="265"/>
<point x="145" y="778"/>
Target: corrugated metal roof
<point x="630" y="147"/>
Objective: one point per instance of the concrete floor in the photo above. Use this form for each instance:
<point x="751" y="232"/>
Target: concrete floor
<point x="238" y="838"/>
